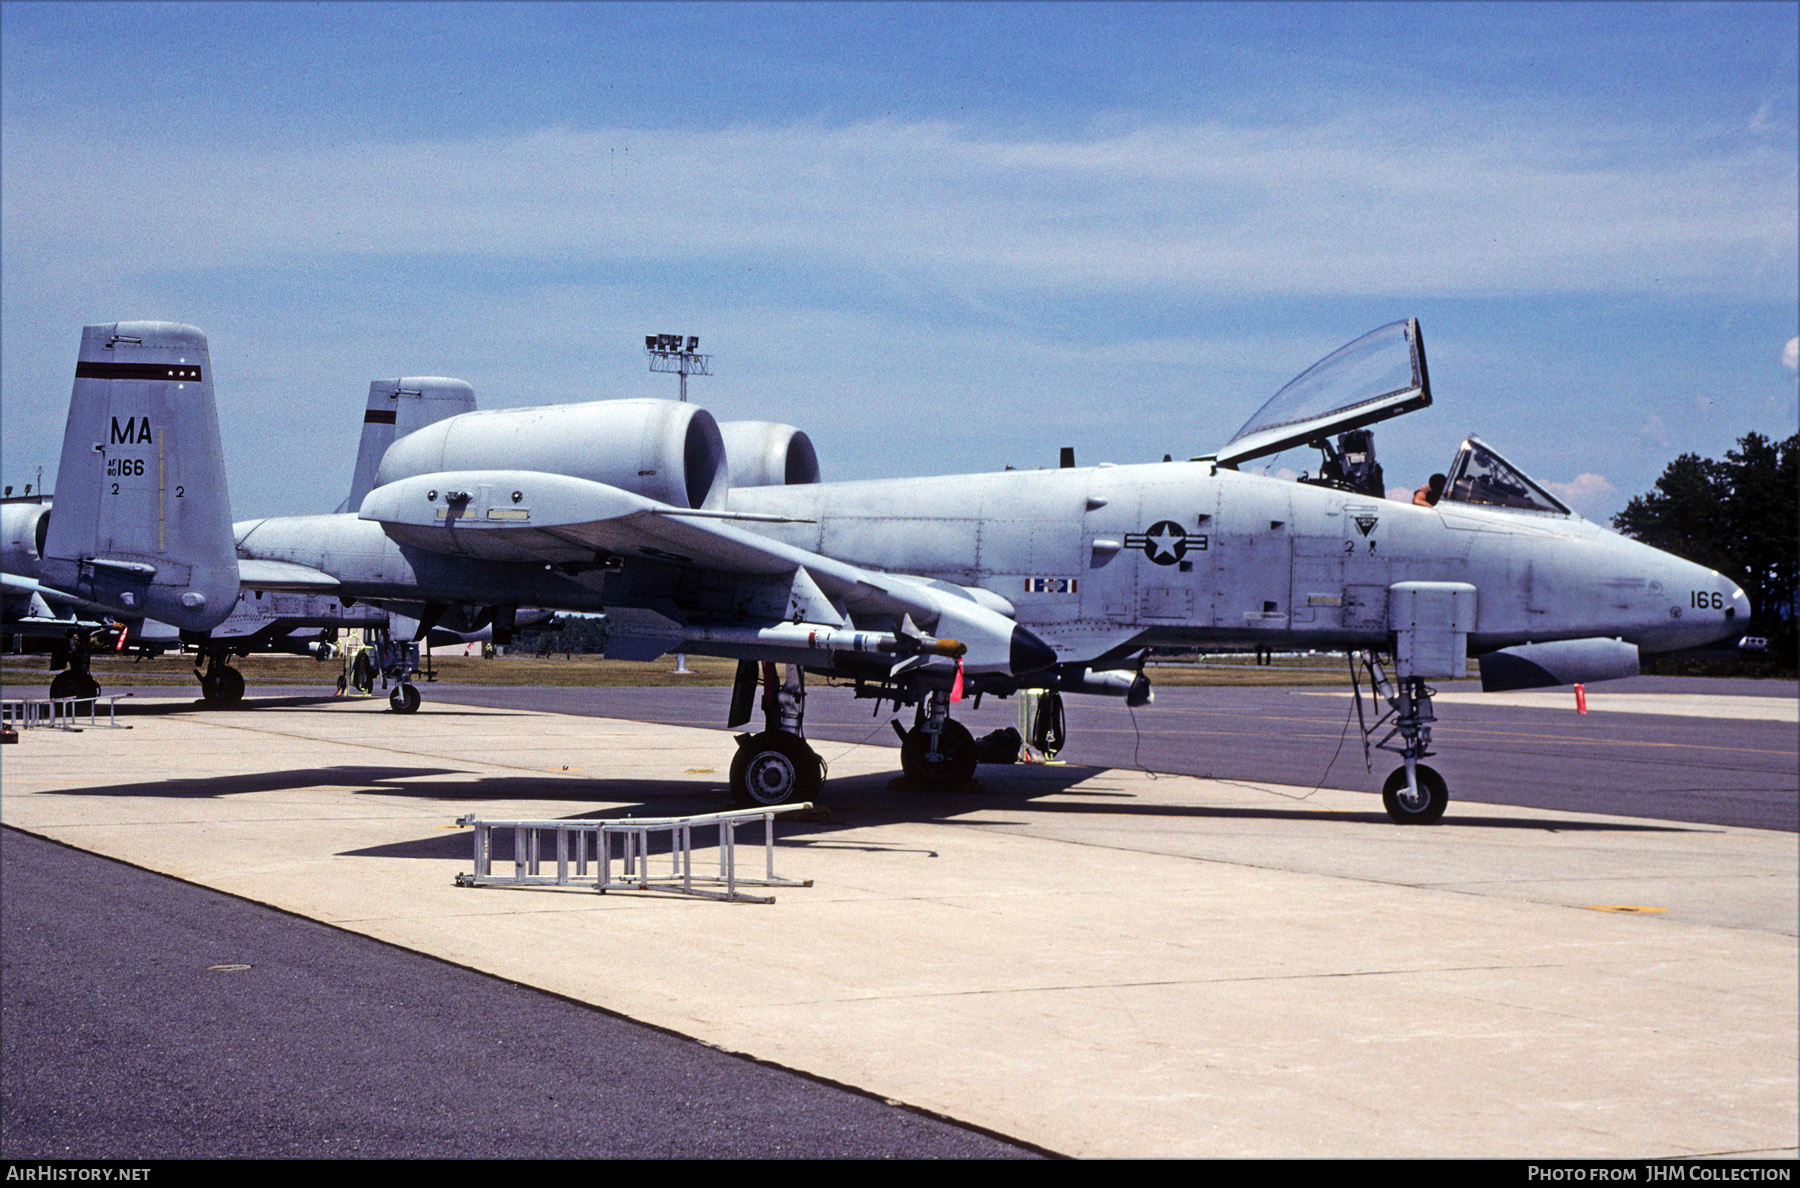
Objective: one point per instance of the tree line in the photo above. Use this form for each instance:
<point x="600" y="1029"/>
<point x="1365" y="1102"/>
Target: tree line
<point x="1739" y="515"/>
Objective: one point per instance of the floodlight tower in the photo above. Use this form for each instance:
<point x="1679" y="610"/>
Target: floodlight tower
<point x="672" y="352"/>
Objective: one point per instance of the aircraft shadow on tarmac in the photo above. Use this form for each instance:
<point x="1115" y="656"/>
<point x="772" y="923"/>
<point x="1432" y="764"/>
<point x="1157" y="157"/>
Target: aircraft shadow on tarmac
<point x="881" y="798"/>
<point x="290" y="701"/>
<point x="854" y="801"/>
<point x="204" y="787"/>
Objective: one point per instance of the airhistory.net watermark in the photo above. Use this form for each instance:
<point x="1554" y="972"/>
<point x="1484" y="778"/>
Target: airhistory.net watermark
<point x="49" y="1173"/>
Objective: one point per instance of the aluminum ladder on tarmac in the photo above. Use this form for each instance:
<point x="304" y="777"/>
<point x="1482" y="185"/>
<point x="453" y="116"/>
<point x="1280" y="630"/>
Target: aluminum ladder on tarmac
<point x="579" y="845"/>
<point x="58" y="713"/>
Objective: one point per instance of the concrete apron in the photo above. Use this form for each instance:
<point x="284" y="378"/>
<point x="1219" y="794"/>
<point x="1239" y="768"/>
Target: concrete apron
<point x="1098" y="962"/>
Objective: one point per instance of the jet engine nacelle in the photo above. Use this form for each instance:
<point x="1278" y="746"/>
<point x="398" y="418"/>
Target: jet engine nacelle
<point x="660" y="449"/>
<point x="23" y="527"/>
<point x="1565" y="662"/>
<point x="765" y="454"/>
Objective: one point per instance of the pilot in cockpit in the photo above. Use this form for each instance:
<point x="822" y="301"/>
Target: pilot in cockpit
<point x="1430" y="493"/>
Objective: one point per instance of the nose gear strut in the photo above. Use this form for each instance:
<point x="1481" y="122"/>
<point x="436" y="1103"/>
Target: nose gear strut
<point x="1414" y="794"/>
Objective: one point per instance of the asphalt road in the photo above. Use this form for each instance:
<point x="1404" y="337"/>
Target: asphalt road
<point x="120" y="1039"/>
<point x="1717" y="771"/>
<point x="145" y="1018"/>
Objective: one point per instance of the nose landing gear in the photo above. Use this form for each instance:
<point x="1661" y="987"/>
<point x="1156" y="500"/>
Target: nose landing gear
<point x="1413" y="794"/>
<point x="937" y="751"/>
<point x="75" y="679"/>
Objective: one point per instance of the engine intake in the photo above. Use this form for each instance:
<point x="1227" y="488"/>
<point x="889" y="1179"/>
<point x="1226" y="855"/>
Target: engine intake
<point x="765" y="454"/>
<point x="24" y="527"/>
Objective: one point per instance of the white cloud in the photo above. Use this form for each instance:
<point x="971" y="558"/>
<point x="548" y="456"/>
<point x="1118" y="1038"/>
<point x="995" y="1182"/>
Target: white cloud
<point x="1356" y="207"/>
<point x="1585" y="493"/>
<point x="1790" y="355"/>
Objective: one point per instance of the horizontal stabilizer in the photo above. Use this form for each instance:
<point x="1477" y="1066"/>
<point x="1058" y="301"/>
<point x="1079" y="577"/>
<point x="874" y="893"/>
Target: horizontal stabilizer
<point x="24" y="588"/>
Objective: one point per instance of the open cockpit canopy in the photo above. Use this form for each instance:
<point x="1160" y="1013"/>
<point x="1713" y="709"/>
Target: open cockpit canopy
<point x="1481" y="477"/>
<point x="1380" y="375"/>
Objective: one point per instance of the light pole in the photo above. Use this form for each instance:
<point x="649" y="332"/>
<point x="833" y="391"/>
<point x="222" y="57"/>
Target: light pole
<point x="673" y="352"/>
<point x="678" y="353"/>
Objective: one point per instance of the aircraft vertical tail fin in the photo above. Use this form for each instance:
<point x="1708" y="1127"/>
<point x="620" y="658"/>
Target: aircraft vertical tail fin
<point x="142" y="520"/>
<point x="397" y="407"/>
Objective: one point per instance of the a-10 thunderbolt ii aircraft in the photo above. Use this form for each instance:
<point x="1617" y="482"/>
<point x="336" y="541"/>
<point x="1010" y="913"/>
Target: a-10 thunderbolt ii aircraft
<point x="924" y="590"/>
<point x="141" y="528"/>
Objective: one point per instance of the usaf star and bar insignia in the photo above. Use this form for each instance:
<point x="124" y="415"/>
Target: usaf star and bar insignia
<point x="1166" y="542"/>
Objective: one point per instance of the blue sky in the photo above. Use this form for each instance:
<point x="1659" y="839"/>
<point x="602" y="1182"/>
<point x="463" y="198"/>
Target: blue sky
<point x="938" y="238"/>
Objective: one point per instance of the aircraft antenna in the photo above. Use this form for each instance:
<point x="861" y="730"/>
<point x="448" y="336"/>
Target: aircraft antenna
<point x="677" y="353"/>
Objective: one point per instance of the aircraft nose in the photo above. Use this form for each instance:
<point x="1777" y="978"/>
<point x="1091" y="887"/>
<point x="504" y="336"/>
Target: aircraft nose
<point x="1688" y="606"/>
<point x="1737" y="606"/>
<point x="1717" y="609"/>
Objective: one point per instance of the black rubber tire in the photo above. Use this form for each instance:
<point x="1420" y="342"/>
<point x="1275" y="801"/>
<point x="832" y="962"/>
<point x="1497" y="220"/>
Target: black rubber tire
<point x="774" y="767"/>
<point x="956" y="761"/>
<point x="404" y="699"/>
<point x="69" y="683"/>
<point x="1437" y="796"/>
<point x="231" y="684"/>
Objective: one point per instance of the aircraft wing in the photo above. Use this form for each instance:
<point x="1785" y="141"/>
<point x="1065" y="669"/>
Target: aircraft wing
<point x="529" y="516"/>
<point x="24" y="587"/>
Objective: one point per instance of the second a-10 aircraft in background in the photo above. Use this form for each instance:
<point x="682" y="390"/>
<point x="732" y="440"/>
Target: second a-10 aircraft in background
<point x="141" y="550"/>
<point x="143" y="529"/>
<point x="692" y="536"/>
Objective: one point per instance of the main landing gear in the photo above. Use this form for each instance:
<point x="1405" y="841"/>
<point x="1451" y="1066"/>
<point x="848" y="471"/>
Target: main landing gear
<point x="220" y="683"/>
<point x="74" y="680"/>
<point x="70" y="683"/>
<point x="1414" y="793"/>
<point x="775" y="766"/>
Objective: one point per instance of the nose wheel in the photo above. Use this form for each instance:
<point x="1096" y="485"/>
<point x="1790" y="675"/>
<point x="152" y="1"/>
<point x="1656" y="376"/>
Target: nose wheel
<point x="1422" y="804"/>
<point x="69" y="683"/>
<point x="221" y="684"/>
<point x="953" y="761"/>
<point x="1414" y="794"/>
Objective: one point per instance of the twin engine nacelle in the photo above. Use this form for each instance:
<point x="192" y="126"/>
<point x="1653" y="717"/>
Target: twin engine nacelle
<point x="660" y="449"/>
<point x="23" y="527"/>
<point x="765" y="454"/>
<point x="665" y="450"/>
